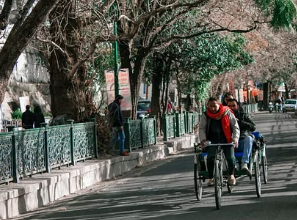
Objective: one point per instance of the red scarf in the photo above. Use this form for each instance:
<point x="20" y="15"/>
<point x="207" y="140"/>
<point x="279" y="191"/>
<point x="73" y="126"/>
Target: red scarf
<point x="223" y="116"/>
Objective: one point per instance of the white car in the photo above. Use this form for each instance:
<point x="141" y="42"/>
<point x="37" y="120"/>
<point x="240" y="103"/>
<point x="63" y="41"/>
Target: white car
<point x="290" y="105"/>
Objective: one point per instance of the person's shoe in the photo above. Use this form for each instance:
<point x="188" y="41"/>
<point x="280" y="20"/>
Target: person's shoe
<point x="124" y="153"/>
<point x="210" y="182"/>
<point x="231" y="180"/>
<point x="244" y="168"/>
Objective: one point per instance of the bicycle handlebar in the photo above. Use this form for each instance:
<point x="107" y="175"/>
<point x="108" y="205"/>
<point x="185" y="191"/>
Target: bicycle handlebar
<point x="222" y="145"/>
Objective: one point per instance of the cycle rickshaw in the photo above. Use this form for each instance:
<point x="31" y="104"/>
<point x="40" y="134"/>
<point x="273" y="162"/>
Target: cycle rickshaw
<point x="258" y="162"/>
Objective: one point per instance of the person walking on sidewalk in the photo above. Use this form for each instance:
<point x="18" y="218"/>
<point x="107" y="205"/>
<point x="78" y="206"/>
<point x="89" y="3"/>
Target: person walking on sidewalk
<point x="246" y="125"/>
<point x="219" y="125"/>
<point x="27" y="118"/>
<point x="116" y="122"/>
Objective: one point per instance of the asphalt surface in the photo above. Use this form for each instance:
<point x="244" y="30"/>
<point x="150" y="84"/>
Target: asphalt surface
<point x="165" y="190"/>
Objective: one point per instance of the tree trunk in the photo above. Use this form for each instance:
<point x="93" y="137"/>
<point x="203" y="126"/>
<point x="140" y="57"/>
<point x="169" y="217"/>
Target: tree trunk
<point x="221" y="85"/>
<point x="287" y="91"/>
<point x="5" y="13"/>
<point x="179" y="92"/>
<point x="69" y="92"/>
<point x="135" y="73"/>
<point x="155" y="101"/>
<point x="125" y="51"/>
<point x="17" y="42"/>
<point x="189" y="102"/>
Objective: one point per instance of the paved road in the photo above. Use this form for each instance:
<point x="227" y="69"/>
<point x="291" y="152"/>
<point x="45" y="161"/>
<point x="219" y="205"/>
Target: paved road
<point x="164" y="189"/>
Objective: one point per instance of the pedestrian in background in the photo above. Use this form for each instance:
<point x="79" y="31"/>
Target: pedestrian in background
<point x="170" y="106"/>
<point x="38" y="117"/>
<point x="116" y="123"/>
<point x="27" y="118"/>
<point x="227" y="96"/>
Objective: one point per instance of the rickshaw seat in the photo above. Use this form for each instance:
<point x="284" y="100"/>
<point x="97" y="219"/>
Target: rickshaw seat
<point x="236" y="154"/>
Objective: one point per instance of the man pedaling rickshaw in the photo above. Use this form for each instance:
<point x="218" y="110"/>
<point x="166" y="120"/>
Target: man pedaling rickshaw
<point x="219" y="125"/>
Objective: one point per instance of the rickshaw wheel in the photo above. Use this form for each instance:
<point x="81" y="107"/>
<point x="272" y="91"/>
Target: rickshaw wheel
<point x="197" y="183"/>
<point x="257" y="174"/>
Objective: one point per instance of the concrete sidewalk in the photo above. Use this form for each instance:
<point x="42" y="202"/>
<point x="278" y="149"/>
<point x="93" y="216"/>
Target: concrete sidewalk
<point x="42" y="189"/>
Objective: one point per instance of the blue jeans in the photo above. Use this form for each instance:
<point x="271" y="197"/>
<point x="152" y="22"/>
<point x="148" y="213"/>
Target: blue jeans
<point x="245" y="145"/>
<point x="118" y="135"/>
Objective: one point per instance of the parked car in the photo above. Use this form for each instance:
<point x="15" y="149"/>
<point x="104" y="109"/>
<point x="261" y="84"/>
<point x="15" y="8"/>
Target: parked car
<point x="143" y="108"/>
<point x="290" y="105"/>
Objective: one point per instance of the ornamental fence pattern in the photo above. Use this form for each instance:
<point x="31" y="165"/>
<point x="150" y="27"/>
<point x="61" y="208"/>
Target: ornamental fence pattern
<point x="27" y="152"/>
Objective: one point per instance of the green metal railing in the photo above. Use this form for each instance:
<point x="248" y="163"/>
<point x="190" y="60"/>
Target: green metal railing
<point x="26" y="152"/>
<point x="251" y="108"/>
<point x="140" y="133"/>
<point x="197" y="118"/>
<point x="190" y="122"/>
<point x="179" y="124"/>
<point x="169" y="126"/>
<point x="6" y="157"/>
<point x="182" y="124"/>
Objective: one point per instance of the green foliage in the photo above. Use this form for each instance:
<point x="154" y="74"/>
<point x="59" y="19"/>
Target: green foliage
<point x="199" y="59"/>
<point x="212" y="55"/>
<point x="283" y="12"/>
<point x="264" y="4"/>
<point x="17" y="114"/>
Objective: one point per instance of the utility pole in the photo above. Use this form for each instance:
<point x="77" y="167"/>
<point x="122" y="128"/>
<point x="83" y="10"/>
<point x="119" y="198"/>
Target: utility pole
<point x="115" y="45"/>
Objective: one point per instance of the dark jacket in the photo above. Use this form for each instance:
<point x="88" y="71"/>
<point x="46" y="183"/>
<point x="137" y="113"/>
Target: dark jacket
<point x="115" y="114"/>
<point x="38" y="118"/>
<point x="245" y="124"/>
<point x="27" y="119"/>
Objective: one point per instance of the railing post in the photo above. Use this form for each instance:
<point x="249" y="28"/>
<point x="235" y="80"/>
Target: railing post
<point x="95" y="139"/>
<point x="141" y="131"/>
<point x="165" y="135"/>
<point x="46" y="149"/>
<point x="187" y="122"/>
<point x="193" y="122"/>
<point x="174" y="125"/>
<point x="15" y="173"/>
<point x="155" y="128"/>
<point x="73" y="162"/>
<point x="177" y="118"/>
<point x="127" y="131"/>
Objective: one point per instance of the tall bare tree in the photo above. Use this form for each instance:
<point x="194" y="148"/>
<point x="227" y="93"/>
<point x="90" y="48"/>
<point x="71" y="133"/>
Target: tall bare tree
<point x="20" y="35"/>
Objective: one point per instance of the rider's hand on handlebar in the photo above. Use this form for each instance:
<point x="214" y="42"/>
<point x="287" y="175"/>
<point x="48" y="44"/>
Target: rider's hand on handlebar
<point x="235" y="143"/>
<point x="202" y="143"/>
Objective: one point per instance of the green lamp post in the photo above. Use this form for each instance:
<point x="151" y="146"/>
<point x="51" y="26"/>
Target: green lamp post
<point x="116" y="53"/>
